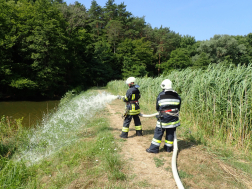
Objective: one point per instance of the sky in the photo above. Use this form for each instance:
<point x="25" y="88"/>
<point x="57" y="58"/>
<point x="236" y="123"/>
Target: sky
<point x="201" y="19"/>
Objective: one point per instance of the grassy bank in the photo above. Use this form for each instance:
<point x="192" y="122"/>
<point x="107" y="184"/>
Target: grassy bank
<point x="89" y="159"/>
<point x="13" y="136"/>
<point x="216" y="108"/>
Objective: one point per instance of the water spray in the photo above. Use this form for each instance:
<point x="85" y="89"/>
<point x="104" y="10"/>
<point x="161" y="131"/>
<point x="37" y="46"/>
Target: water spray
<point x="174" y="155"/>
<point x="62" y="127"/>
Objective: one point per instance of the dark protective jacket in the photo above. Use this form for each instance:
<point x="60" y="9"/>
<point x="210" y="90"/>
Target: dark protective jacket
<point x="131" y="98"/>
<point x="168" y="101"/>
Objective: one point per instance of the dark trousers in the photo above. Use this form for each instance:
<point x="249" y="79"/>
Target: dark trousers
<point x="126" y="125"/>
<point x="158" y="134"/>
<point x="128" y="119"/>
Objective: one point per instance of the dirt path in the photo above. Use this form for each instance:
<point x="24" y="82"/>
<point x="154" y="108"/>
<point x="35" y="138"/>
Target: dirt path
<point x="197" y="168"/>
<point x="142" y="167"/>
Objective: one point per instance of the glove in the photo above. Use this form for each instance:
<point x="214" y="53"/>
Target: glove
<point x="119" y="97"/>
<point x="159" y="116"/>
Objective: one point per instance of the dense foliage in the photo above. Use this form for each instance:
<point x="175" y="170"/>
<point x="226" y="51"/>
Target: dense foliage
<point x="49" y="47"/>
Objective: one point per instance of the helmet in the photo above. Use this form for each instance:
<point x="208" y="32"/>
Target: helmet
<point x="130" y="80"/>
<point x="166" y="85"/>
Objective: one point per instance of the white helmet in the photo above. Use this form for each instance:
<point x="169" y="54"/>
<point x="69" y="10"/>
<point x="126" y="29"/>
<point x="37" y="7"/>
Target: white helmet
<point x="166" y="85"/>
<point x="130" y="80"/>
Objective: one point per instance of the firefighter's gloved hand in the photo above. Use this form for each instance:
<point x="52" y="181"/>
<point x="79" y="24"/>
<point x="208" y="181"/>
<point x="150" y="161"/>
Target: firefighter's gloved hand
<point x="119" y="97"/>
<point x="158" y="116"/>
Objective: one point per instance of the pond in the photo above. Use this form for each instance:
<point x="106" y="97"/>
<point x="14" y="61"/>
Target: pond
<point x="31" y="111"/>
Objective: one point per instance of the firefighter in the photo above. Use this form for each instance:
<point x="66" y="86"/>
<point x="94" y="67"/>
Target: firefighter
<point x="132" y="108"/>
<point x="168" y="105"/>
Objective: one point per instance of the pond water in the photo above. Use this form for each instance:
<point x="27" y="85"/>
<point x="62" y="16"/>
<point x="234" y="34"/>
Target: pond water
<point x="32" y="112"/>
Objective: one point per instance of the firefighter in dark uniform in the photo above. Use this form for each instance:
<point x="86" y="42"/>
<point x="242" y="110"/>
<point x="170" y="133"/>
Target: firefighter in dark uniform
<point x="168" y="105"/>
<point x="132" y="108"/>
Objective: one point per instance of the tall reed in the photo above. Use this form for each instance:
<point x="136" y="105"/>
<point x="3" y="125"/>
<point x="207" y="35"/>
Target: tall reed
<point x="12" y="134"/>
<point x="217" y="100"/>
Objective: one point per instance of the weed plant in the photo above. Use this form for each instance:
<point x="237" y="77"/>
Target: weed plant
<point x="158" y="162"/>
<point x="13" y="136"/>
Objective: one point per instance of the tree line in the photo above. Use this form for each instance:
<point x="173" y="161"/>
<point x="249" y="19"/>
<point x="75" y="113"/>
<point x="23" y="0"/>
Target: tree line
<point x="48" y="47"/>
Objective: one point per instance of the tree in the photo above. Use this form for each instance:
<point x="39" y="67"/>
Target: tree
<point x="135" y="28"/>
<point x="136" y="56"/>
<point x="122" y="14"/>
<point x="103" y="69"/>
<point x="246" y="40"/>
<point x="8" y="38"/>
<point x="165" y="42"/>
<point x="201" y="61"/>
<point x="187" y="41"/>
<point x="76" y="16"/>
<point x="110" y="11"/>
<point x="96" y="18"/>
<point x="179" y="59"/>
<point x="37" y="56"/>
<point x="221" y="48"/>
<point x="114" y="30"/>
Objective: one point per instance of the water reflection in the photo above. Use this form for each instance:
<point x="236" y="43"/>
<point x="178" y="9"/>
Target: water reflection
<point x="31" y="111"/>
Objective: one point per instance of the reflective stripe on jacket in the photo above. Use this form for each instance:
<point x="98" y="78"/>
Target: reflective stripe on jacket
<point x="168" y="100"/>
<point x="131" y="98"/>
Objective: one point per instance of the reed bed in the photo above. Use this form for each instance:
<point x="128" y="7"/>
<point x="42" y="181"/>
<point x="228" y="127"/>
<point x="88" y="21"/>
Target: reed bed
<point x="217" y="101"/>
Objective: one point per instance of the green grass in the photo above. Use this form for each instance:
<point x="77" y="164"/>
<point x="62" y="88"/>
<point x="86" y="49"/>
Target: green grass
<point x="158" y="162"/>
<point x="92" y="158"/>
<point x="143" y="184"/>
<point x="12" y="135"/>
<point x="183" y="174"/>
<point x="168" y="169"/>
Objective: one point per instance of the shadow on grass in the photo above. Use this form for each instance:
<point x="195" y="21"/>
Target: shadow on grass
<point x="184" y="144"/>
<point x="189" y="142"/>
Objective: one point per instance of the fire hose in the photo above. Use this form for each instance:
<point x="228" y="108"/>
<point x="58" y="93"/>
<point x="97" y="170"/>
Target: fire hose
<point x="174" y="155"/>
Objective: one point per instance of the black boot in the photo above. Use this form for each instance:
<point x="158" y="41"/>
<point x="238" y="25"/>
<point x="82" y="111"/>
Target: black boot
<point x="168" y="149"/>
<point x="139" y="133"/>
<point x="152" y="151"/>
<point x="124" y="135"/>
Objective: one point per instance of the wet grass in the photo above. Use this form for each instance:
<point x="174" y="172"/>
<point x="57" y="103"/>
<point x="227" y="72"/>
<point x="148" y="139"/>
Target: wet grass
<point x="89" y="161"/>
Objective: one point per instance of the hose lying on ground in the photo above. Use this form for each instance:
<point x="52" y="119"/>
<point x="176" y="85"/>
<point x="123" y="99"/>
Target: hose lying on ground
<point x="174" y="155"/>
<point x="174" y="163"/>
